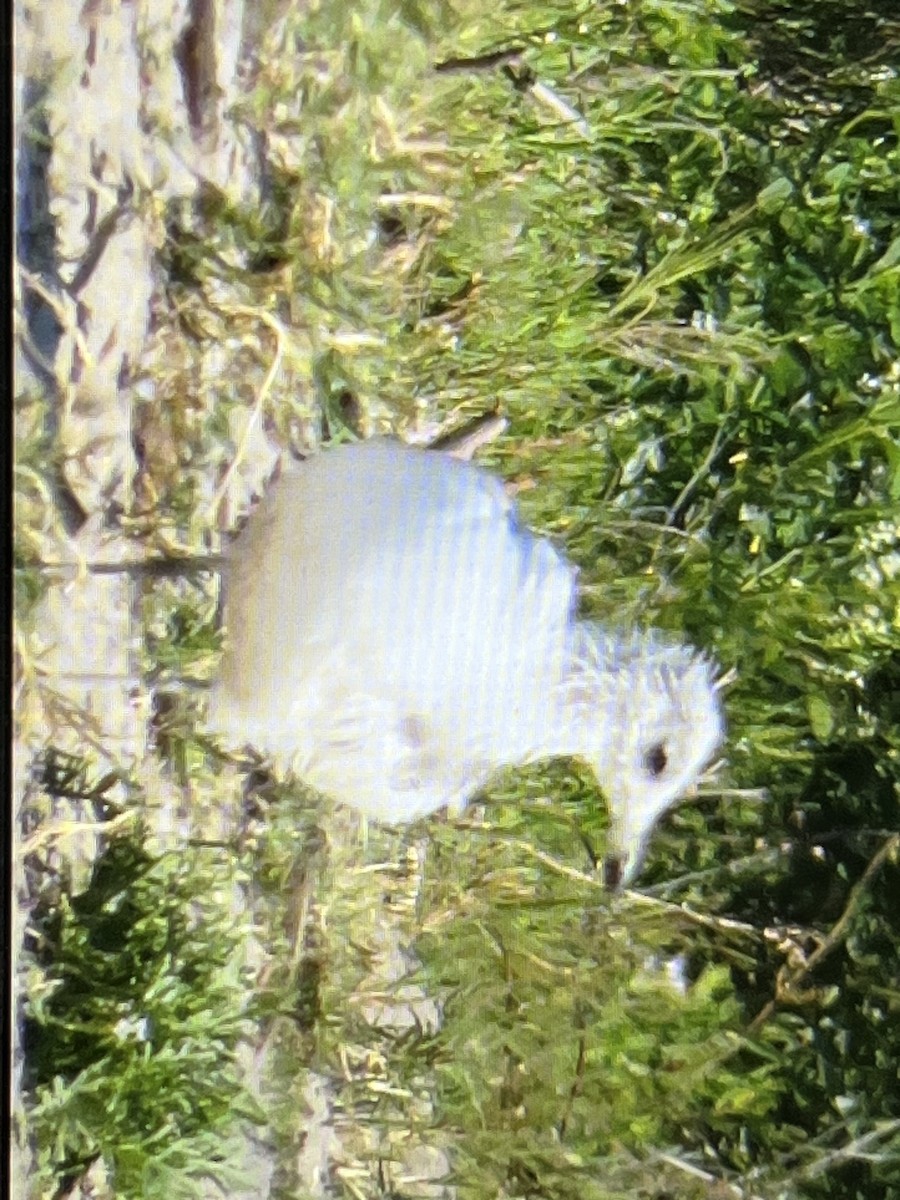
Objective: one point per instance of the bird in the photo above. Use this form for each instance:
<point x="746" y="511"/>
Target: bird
<point x="395" y="636"/>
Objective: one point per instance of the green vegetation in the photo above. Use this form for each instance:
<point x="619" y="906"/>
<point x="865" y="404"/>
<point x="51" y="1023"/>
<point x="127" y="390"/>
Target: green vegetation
<point x="663" y="235"/>
<point x="132" y="1023"/>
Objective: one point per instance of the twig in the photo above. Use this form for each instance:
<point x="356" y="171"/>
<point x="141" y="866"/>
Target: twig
<point x="135" y="568"/>
<point x="479" y="62"/>
<point x="707" y="1177"/>
<point x="857" y="1149"/>
<point x="280" y="341"/>
<point x="838" y="931"/>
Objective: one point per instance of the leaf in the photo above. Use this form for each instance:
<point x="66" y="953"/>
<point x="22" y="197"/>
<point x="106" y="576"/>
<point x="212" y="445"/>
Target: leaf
<point x="775" y="195"/>
<point x="821" y="717"/>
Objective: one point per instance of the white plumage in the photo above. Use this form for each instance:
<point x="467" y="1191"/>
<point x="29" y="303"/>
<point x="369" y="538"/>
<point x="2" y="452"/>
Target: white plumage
<point x="394" y="637"/>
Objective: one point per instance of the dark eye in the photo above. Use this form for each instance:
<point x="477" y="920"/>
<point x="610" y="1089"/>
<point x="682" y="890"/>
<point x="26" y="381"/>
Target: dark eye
<point x="656" y="760"/>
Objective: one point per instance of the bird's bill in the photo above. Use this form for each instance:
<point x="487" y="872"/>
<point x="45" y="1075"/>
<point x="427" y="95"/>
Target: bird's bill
<point x="626" y="843"/>
<point x="613" y="872"/>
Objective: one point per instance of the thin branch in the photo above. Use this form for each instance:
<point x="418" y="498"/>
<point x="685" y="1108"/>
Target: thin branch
<point x="135" y="568"/>
<point x="281" y="339"/>
<point x="838" y="932"/>
<point x="853" y="1151"/>
<point x="697" y="1173"/>
<point x="479" y="62"/>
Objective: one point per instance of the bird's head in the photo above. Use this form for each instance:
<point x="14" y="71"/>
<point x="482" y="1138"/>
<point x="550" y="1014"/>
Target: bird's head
<point x="654" y="725"/>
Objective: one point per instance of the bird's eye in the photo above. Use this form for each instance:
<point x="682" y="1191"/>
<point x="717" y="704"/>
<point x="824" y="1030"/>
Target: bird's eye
<point x="656" y="759"/>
